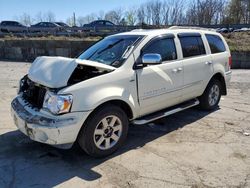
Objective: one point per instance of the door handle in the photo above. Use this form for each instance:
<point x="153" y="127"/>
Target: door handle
<point x="176" y="70"/>
<point x="209" y="63"/>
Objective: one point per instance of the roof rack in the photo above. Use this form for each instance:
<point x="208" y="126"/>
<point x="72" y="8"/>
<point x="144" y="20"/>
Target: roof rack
<point x="191" y="27"/>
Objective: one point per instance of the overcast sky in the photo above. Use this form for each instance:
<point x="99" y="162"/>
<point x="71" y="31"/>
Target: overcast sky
<point x="10" y="9"/>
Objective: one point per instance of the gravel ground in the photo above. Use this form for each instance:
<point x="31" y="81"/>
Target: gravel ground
<point x="188" y="149"/>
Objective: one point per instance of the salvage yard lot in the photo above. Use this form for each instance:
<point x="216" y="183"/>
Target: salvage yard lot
<point x="188" y="149"/>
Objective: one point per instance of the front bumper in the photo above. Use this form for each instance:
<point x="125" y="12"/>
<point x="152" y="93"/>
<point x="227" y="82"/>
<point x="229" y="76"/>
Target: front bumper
<point x="41" y="126"/>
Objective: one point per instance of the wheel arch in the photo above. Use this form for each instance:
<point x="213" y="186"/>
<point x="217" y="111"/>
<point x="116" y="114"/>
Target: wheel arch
<point x="219" y="76"/>
<point x="117" y="102"/>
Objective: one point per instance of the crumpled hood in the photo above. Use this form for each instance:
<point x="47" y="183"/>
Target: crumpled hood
<point x="54" y="72"/>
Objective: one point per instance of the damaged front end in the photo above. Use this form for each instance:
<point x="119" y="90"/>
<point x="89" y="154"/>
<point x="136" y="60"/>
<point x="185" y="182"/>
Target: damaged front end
<point x="40" y="112"/>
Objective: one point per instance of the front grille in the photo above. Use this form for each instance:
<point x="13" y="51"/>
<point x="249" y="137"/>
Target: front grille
<point x="33" y="93"/>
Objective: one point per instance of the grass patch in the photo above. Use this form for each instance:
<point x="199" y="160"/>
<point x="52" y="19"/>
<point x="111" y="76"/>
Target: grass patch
<point x="238" y="42"/>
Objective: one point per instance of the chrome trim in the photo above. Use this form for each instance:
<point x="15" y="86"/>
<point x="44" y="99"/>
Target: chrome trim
<point x="180" y="88"/>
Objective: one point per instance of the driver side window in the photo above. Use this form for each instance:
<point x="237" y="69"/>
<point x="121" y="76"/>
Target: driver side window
<point x="164" y="46"/>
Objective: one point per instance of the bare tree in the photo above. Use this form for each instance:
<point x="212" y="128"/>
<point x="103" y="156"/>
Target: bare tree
<point x="131" y="16"/>
<point x="101" y="15"/>
<point x="25" y="19"/>
<point x="141" y="14"/>
<point x="165" y="13"/>
<point x="148" y="12"/>
<point x="45" y="17"/>
<point x="156" y="7"/>
<point x="114" y="16"/>
<point x="176" y="11"/>
<point x="39" y="17"/>
<point x="81" y="20"/>
<point x="205" y="12"/>
<point x="50" y="16"/>
<point x="70" y="21"/>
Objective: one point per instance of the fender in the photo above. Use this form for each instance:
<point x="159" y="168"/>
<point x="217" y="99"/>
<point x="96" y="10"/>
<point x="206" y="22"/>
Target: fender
<point x="90" y="94"/>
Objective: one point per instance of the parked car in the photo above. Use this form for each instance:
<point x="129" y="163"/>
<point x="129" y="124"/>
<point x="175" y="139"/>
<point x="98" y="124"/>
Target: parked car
<point x="135" y="77"/>
<point x="244" y="29"/>
<point x="100" y="23"/>
<point x="64" y="26"/>
<point x="222" y="30"/>
<point x="100" y="27"/>
<point x="13" y="27"/>
<point x="46" y="27"/>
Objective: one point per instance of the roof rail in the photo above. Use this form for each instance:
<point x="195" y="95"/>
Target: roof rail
<point x="191" y="27"/>
<point x="135" y="30"/>
<point x="138" y="30"/>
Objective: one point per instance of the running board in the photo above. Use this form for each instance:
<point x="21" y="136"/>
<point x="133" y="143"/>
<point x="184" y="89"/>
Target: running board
<point x="166" y="112"/>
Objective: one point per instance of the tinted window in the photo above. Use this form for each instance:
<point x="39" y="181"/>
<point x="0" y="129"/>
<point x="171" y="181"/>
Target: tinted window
<point x="99" y="23"/>
<point x="109" y="24"/>
<point x="216" y="44"/>
<point x="192" y="46"/>
<point x="164" y="47"/>
<point x="51" y="25"/>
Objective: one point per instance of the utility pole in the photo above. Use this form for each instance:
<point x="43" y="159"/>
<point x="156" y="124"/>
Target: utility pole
<point x="74" y="19"/>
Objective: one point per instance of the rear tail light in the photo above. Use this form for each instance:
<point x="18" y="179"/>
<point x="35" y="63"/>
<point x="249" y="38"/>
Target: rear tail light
<point x="230" y="61"/>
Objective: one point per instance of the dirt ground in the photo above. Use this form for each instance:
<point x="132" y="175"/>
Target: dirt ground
<point x="188" y="149"/>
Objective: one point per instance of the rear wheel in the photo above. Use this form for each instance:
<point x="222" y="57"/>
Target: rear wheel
<point x="104" y="131"/>
<point x="211" y="96"/>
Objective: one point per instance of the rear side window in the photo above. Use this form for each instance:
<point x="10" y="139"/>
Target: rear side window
<point x="165" y="47"/>
<point x="216" y="44"/>
<point x="192" y="46"/>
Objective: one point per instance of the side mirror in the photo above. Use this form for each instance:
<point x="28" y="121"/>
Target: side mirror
<point x="151" y="59"/>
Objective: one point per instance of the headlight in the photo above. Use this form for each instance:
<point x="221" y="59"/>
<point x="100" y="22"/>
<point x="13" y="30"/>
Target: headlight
<point x="21" y="84"/>
<point x="57" y="104"/>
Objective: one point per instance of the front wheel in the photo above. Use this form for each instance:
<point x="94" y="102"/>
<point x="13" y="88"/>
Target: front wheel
<point x="104" y="131"/>
<point x="211" y="96"/>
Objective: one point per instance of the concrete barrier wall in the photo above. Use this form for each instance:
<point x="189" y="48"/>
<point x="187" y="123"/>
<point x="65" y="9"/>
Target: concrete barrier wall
<point x="28" y="50"/>
<point x="241" y="60"/>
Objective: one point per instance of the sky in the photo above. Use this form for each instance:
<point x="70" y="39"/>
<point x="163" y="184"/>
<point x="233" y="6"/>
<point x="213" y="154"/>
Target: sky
<point x="11" y="9"/>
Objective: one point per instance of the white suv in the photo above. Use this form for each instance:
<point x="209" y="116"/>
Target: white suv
<point x="137" y="77"/>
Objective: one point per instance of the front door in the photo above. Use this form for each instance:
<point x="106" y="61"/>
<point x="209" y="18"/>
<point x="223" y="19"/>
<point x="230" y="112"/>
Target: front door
<point x="159" y="86"/>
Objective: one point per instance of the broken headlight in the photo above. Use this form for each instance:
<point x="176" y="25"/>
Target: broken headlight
<point x="57" y="104"/>
<point x="22" y="84"/>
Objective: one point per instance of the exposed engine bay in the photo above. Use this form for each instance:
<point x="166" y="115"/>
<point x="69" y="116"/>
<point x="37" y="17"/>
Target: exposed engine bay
<point x="54" y="73"/>
<point x="83" y="72"/>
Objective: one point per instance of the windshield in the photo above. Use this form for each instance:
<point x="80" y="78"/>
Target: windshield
<point x="112" y="50"/>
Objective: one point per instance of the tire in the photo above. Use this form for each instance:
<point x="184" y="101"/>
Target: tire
<point x="211" y="96"/>
<point x="104" y="131"/>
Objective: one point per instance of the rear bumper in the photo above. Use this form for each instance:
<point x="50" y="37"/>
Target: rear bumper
<point x="41" y="126"/>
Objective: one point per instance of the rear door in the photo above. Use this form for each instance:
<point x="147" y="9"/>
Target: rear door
<point x="220" y="55"/>
<point x="159" y="86"/>
<point x="197" y="64"/>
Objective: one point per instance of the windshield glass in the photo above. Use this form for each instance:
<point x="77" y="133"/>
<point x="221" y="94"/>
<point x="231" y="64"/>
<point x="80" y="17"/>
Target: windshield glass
<point x="112" y="50"/>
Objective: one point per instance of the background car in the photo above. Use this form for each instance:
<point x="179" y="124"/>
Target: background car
<point x="13" y="26"/>
<point x="99" y="27"/>
<point x="222" y="30"/>
<point x="46" y="27"/>
<point x="64" y="26"/>
<point x="100" y="23"/>
<point x="244" y="29"/>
